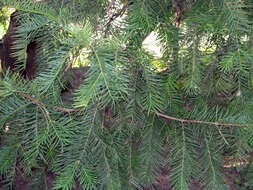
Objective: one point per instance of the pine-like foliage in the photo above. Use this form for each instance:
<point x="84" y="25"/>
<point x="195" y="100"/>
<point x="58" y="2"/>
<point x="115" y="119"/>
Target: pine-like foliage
<point x="134" y="114"/>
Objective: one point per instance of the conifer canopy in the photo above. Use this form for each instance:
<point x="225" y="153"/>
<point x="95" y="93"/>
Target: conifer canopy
<point x="85" y="105"/>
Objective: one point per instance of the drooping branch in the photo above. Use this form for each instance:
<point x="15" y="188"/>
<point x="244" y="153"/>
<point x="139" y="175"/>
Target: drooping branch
<point x="69" y="110"/>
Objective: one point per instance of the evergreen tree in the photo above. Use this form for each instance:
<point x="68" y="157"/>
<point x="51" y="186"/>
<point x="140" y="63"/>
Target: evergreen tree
<point x="134" y="113"/>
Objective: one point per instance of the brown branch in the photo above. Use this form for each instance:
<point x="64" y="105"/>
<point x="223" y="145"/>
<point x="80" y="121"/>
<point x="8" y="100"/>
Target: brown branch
<point x="68" y="110"/>
<point x="119" y="14"/>
<point x="180" y="8"/>
<point x="201" y="122"/>
<point x="110" y="6"/>
<point x="69" y="65"/>
<point x="230" y="161"/>
<point x="35" y="101"/>
<point x="103" y="119"/>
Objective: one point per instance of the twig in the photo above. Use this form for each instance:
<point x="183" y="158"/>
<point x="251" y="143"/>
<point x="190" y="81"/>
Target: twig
<point x="68" y="110"/>
<point x="116" y="15"/>
<point x="69" y="65"/>
<point x="230" y="161"/>
<point x="180" y="8"/>
<point x="110" y="6"/>
<point x="35" y="101"/>
<point x="201" y="122"/>
<point x="103" y="119"/>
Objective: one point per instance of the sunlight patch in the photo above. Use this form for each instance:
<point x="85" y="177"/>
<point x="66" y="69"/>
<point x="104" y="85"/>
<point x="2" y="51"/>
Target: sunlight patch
<point x="5" y="14"/>
<point x="152" y="45"/>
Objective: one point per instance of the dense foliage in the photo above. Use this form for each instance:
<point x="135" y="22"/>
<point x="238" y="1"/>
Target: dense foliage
<point x="135" y="113"/>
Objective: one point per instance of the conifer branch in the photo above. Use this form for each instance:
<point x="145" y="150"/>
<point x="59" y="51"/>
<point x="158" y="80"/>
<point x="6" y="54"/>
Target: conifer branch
<point x="106" y="137"/>
<point x="69" y="110"/>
